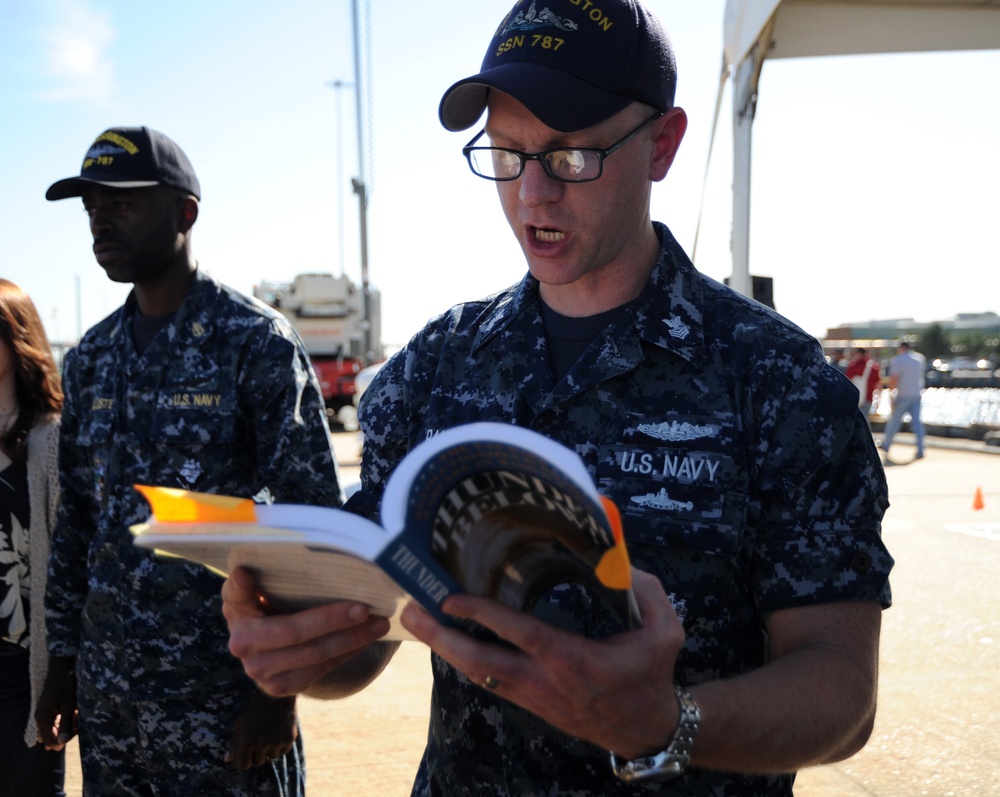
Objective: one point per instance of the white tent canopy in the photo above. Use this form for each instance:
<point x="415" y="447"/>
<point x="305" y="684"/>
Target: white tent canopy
<point x="760" y="29"/>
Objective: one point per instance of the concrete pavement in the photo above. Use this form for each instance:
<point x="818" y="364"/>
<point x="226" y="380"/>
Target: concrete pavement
<point x="936" y="729"/>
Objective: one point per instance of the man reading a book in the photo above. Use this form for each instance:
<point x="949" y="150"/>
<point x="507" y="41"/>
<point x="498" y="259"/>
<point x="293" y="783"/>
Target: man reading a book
<point x="750" y="492"/>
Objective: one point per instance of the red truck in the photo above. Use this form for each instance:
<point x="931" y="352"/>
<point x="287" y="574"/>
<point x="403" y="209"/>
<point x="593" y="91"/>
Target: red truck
<point x="327" y="311"/>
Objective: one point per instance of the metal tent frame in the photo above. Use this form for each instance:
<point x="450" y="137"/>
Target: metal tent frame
<point x="756" y="30"/>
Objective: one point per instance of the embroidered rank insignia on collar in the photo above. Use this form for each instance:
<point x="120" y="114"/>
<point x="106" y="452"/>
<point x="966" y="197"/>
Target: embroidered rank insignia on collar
<point x="677" y="328"/>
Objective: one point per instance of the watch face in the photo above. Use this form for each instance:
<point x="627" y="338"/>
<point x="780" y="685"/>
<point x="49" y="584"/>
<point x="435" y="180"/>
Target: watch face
<point x="662" y="766"/>
<point x="672" y="761"/>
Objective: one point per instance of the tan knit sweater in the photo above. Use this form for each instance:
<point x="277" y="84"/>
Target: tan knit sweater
<point x="43" y="497"/>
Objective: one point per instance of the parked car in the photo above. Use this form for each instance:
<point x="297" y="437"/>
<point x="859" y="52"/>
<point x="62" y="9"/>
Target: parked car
<point x="363" y="379"/>
<point x="361" y="382"/>
<point x="961" y="364"/>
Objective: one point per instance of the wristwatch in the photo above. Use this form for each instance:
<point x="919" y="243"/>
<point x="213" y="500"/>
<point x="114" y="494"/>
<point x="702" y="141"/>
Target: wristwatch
<point x="670" y="762"/>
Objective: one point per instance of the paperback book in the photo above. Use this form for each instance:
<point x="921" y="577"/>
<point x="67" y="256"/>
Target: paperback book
<point x="484" y="508"/>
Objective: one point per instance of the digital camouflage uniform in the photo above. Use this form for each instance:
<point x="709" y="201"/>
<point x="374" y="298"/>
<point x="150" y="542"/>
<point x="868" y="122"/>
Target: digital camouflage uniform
<point x="222" y="401"/>
<point x="745" y="474"/>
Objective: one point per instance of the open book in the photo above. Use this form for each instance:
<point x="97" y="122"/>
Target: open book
<point x="484" y="508"/>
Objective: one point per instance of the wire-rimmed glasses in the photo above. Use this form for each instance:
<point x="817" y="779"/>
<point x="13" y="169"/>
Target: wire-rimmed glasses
<point x="565" y="164"/>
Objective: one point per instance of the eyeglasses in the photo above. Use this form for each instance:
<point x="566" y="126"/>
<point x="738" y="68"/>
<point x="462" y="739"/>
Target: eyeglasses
<point x="565" y="164"/>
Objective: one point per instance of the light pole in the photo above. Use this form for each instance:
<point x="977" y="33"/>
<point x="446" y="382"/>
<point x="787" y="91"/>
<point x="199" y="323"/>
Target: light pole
<point x="358" y="184"/>
<point x="337" y="86"/>
<point x="366" y="301"/>
<point x="361" y="190"/>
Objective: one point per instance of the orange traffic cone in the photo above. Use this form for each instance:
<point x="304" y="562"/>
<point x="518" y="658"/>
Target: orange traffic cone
<point x="977" y="502"/>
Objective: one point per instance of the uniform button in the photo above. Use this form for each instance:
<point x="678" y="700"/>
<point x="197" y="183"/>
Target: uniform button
<point x="861" y="562"/>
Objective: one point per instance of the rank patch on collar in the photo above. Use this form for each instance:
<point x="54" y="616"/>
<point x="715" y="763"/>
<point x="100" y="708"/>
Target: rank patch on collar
<point x="677" y="328"/>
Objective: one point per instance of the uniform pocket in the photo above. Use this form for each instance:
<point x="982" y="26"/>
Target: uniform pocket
<point x="677" y="497"/>
<point x="193" y="432"/>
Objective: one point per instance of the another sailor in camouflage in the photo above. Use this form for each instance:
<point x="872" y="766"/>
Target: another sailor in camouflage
<point x="223" y="400"/>
<point x="178" y="741"/>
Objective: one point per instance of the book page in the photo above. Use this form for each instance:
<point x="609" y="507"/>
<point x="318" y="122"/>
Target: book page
<point x="444" y="460"/>
<point x="292" y="576"/>
<point x="318" y="526"/>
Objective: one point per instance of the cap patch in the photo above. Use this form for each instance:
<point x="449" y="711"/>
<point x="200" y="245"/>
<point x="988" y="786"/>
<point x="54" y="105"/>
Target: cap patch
<point x="532" y="21"/>
<point x="101" y="154"/>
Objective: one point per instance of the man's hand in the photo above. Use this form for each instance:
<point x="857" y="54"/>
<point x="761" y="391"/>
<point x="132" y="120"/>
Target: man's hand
<point x="813" y="703"/>
<point x="264" y="730"/>
<point x="55" y="714"/>
<point x="615" y="692"/>
<point x="290" y="654"/>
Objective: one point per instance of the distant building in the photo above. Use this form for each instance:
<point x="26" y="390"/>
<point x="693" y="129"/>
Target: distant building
<point x="980" y="322"/>
<point x="881" y="338"/>
<point x="888" y="332"/>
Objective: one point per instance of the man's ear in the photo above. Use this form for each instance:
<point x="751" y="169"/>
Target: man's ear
<point x="189" y="213"/>
<point x="667" y="135"/>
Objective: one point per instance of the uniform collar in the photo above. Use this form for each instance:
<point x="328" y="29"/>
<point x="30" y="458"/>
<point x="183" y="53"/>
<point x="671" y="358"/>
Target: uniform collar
<point x="667" y="313"/>
<point x="191" y="324"/>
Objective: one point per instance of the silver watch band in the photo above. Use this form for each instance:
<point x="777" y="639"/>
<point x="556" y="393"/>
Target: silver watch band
<point x="670" y="762"/>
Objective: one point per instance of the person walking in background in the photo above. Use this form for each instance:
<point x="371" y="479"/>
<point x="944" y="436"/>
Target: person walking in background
<point x="837" y="360"/>
<point x="761" y="587"/>
<point x="863" y="371"/>
<point x="30" y="401"/>
<point x="906" y="382"/>
<point x="192" y="385"/>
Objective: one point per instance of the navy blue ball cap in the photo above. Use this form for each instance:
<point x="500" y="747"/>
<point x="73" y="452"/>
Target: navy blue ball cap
<point x="130" y="157"/>
<point x="572" y="63"/>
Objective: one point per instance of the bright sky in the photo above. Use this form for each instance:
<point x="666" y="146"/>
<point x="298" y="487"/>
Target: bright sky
<point x="876" y="179"/>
